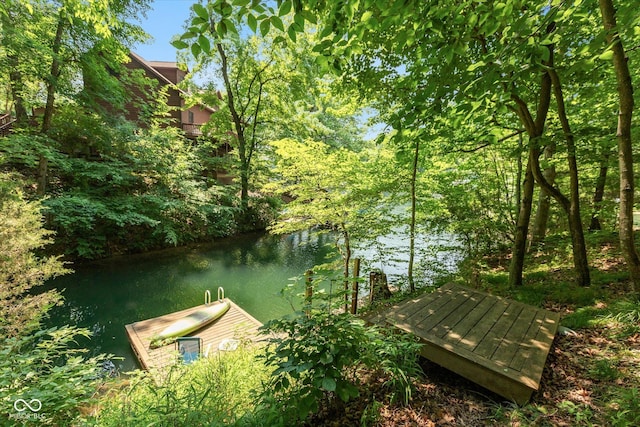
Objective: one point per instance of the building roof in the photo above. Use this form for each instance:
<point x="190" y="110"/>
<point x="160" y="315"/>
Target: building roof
<point x="152" y="66"/>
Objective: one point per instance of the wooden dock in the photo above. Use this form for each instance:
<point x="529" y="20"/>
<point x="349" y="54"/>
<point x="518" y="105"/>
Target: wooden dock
<point x="495" y="342"/>
<point x="235" y="324"/>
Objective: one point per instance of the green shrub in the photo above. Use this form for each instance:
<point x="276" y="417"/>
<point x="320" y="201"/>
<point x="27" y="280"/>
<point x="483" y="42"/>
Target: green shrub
<point x="44" y="370"/>
<point x="212" y="391"/>
<point x="315" y="356"/>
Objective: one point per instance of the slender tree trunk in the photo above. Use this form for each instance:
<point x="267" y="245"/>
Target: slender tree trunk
<point x="346" y="259"/>
<point x="522" y="228"/>
<point x="16" y="83"/>
<point x="625" y="153"/>
<point x="239" y="128"/>
<point x="518" y="192"/>
<point x="580" y="260"/>
<point x="412" y="224"/>
<point x="535" y="129"/>
<point x="598" y="194"/>
<point x="52" y="86"/>
<point x="16" y="80"/>
<point x="544" y="201"/>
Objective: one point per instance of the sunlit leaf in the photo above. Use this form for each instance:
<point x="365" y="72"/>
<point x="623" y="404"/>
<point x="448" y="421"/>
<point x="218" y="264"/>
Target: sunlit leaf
<point x="607" y="55"/>
<point x="285" y="8"/>
<point x="291" y="31"/>
<point x="204" y="43"/>
<point x="201" y="11"/>
<point x="179" y="44"/>
<point x="264" y="27"/>
<point x="252" y="22"/>
<point x="195" y="50"/>
<point x="277" y="23"/>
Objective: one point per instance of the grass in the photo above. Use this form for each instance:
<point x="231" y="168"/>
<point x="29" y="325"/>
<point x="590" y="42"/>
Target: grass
<point x="212" y="391"/>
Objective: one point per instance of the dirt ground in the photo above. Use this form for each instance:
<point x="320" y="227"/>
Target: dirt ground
<point x="575" y="390"/>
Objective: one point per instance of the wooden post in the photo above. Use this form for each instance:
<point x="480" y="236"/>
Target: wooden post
<point x="372" y="278"/>
<point x="354" y="293"/>
<point x="308" y="290"/>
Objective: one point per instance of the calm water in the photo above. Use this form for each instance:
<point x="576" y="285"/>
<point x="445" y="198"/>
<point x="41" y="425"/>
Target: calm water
<point x="252" y="269"/>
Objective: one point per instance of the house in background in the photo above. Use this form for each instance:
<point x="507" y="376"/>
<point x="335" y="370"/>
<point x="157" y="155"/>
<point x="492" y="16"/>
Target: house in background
<point x="168" y="74"/>
<point x="191" y="119"/>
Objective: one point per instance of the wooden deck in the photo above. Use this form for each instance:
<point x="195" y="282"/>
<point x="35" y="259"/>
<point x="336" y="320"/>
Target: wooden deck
<point x="495" y="342"/>
<point x="236" y="323"/>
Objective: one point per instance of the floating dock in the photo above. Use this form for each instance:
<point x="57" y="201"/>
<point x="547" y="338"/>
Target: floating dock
<point x="234" y="324"/>
<point x="495" y="342"/>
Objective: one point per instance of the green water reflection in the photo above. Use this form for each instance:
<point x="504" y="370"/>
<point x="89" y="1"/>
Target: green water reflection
<point x="252" y="269"/>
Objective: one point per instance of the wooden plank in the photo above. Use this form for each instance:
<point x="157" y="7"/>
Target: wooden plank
<point x="510" y="388"/>
<point x="453" y="301"/>
<point x="542" y="331"/>
<point x="477" y="333"/>
<point x="497" y="343"/>
<point x="457" y="316"/>
<point x="462" y="328"/>
<point x="510" y="346"/>
<point x="236" y="323"/>
<point x="498" y="331"/>
<point x="422" y="306"/>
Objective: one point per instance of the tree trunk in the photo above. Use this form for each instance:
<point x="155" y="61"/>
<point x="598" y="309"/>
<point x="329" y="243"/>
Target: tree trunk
<point x="518" y="192"/>
<point x="598" y="194"/>
<point x="535" y="129"/>
<point x="52" y="85"/>
<point x="412" y="224"/>
<point x="522" y="228"/>
<point x="623" y="134"/>
<point x="580" y="260"/>
<point x="16" y="83"/>
<point x="544" y="201"/>
<point x="16" y="80"/>
<point x="346" y="259"/>
<point x="239" y="128"/>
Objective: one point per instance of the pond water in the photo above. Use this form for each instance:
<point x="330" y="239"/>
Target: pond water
<point x="253" y="269"/>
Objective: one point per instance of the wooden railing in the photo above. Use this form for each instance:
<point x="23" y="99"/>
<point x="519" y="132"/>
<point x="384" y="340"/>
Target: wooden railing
<point x="6" y="122"/>
<point x="192" y="130"/>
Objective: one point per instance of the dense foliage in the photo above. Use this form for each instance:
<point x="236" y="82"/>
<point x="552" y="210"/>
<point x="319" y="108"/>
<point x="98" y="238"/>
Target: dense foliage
<point x="497" y="122"/>
<point x="37" y="366"/>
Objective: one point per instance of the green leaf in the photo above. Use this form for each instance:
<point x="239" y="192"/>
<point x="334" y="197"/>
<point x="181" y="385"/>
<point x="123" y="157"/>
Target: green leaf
<point x="277" y="23"/>
<point x="204" y="43"/>
<point x="292" y="33"/>
<point x="252" y="22"/>
<point x="230" y="26"/>
<point x="179" y="44"/>
<point x="201" y="11"/>
<point x="545" y="53"/>
<point x="329" y="384"/>
<point x="346" y="391"/>
<point x="607" y="55"/>
<point x="366" y="16"/>
<point x="475" y="66"/>
<point x="309" y="16"/>
<point x="221" y="28"/>
<point x="264" y="27"/>
<point x="285" y="8"/>
<point x="195" y="50"/>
